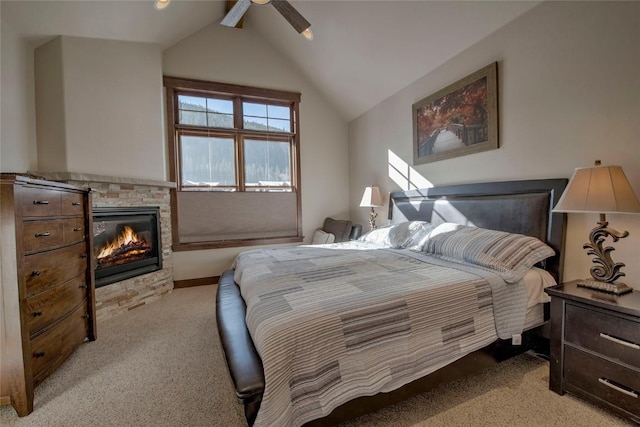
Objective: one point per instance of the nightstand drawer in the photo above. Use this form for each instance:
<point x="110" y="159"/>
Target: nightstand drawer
<point x="611" y="336"/>
<point x="598" y="377"/>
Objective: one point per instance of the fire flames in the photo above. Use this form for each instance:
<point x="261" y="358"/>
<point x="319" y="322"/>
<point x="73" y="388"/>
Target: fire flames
<point x="125" y="246"/>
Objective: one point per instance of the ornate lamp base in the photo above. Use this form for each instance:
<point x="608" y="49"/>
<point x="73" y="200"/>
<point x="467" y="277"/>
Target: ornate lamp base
<point x="372" y="218"/>
<point x="612" y="288"/>
<point x="605" y="272"/>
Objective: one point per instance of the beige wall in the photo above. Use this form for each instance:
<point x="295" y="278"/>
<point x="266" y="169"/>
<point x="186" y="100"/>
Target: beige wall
<point x="229" y="55"/>
<point x="569" y="85"/>
<point x="17" y="111"/>
<point x="99" y="108"/>
<point x="100" y="99"/>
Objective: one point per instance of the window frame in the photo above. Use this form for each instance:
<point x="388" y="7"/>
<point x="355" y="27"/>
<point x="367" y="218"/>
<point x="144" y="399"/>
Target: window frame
<point x="181" y="86"/>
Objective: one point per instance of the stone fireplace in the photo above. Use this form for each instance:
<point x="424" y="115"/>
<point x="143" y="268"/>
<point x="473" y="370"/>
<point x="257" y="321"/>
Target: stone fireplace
<point x="116" y="193"/>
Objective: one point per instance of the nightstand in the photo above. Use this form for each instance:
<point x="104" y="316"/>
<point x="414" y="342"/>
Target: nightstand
<point x="595" y="347"/>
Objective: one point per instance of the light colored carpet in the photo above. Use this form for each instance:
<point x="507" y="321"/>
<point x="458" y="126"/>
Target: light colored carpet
<point x="161" y="365"/>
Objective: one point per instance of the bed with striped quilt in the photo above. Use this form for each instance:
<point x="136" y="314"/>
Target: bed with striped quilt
<point x="335" y="322"/>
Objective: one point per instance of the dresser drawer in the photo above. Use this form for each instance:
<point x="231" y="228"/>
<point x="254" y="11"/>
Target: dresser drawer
<point x="609" y="335"/>
<point x="598" y="377"/>
<point x="47" y="307"/>
<point x="40" y="201"/>
<point x="73" y="230"/>
<point x="72" y="204"/>
<point x="53" y="347"/>
<point x="48" y="269"/>
<point x="40" y="235"/>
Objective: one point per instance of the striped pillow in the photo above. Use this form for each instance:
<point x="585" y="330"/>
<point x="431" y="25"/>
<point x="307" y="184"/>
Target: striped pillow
<point x="509" y="255"/>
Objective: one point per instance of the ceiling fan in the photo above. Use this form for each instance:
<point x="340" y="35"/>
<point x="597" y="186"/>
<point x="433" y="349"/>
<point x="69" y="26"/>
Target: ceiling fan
<point x="285" y="8"/>
<point x="237" y="9"/>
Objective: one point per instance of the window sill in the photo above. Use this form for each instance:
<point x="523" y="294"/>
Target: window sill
<point x="198" y="246"/>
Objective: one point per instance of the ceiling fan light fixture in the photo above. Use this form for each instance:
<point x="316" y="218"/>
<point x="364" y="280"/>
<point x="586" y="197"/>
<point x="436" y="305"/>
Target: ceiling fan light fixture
<point x="237" y="9"/>
<point x="161" y="4"/>
<point x="308" y="34"/>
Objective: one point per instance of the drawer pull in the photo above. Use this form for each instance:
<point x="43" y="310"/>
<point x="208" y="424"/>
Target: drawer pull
<point x="619" y="341"/>
<point x="45" y="234"/>
<point x="83" y="286"/>
<point x="76" y="204"/>
<point x="77" y="229"/>
<point x="86" y="316"/>
<point x="37" y="313"/>
<point x="38" y="355"/>
<point x="40" y="202"/>
<point x="617" y="387"/>
<point x="35" y="273"/>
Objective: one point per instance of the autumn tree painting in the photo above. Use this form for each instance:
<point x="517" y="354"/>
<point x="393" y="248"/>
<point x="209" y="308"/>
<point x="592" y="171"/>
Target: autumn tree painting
<point x="457" y="120"/>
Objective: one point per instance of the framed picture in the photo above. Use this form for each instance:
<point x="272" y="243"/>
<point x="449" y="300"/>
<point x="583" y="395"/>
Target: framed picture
<point x="458" y="120"/>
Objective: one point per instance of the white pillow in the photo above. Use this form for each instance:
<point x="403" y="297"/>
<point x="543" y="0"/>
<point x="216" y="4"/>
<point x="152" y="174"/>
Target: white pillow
<point x="420" y="231"/>
<point x="379" y="236"/>
<point x="398" y="236"/>
<point x="322" y="238"/>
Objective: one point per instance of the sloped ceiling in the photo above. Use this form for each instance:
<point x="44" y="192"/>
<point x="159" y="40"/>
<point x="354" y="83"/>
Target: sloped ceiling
<point x="363" y="51"/>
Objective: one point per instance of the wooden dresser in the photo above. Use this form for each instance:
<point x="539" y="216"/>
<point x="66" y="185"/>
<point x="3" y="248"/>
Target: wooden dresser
<point x="47" y="294"/>
<point x="595" y="347"/>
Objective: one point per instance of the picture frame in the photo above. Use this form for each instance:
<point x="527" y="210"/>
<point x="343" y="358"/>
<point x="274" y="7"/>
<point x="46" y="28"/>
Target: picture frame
<point x="459" y="119"/>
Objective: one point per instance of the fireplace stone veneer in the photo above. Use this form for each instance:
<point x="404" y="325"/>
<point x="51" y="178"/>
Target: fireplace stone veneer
<point x="128" y="294"/>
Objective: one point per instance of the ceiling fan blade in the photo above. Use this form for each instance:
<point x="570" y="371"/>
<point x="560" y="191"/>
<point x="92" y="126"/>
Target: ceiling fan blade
<point x="291" y="14"/>
<point x="236" y="13"/>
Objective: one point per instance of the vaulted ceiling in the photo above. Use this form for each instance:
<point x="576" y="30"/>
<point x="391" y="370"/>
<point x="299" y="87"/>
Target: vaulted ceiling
<point x="363" y="51"/>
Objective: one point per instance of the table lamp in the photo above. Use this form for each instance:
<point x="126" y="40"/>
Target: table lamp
<point x="602" y="190"/>
<point x="371" y="199"/>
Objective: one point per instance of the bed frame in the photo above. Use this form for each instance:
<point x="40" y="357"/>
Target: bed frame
<point x="523" y="207"/>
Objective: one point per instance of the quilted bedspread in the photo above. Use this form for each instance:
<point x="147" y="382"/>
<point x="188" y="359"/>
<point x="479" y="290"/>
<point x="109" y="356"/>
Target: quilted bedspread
<point x="335" y="322"/>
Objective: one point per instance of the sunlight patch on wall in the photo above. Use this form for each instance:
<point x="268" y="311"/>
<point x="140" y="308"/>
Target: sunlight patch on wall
<point x="406" y="177"/>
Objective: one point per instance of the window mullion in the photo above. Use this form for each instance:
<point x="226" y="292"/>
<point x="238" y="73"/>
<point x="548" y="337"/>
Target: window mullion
<point x="240" y="161"/>
<point x="237" y="124"/>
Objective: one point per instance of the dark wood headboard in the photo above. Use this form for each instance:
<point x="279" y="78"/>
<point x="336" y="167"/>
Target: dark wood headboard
<point x="522" y="207"/>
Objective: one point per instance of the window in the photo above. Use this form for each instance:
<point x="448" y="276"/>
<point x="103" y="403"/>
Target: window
<point x="235" y="159"/>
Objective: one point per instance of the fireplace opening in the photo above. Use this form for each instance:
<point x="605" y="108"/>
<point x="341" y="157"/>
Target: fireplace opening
<point x="126" y="243"/>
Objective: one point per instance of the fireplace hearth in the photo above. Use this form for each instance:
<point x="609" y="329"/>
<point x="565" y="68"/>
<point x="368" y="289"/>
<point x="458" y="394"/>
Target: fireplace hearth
<point x="126" y="243"/>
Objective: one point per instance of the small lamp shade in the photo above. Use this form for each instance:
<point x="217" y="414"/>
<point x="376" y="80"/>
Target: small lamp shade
<point x="371" y="198"/>
<point x="599" y="189"/>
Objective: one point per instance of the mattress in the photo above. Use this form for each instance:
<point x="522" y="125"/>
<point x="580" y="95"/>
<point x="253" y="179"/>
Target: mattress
<point x="535" y="281"/>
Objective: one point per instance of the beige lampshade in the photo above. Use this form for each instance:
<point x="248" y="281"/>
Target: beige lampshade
<point x="599" y="189"/>
<point x="371" y="198"/>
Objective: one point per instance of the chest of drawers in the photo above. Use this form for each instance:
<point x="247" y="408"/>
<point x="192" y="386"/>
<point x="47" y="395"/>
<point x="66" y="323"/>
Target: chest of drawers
<point x="595" y="347"/>
<point x="47" y="292"/>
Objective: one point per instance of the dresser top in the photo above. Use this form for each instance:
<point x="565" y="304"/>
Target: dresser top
<point x="627" y="304"/>
<point x="13" y="178"/>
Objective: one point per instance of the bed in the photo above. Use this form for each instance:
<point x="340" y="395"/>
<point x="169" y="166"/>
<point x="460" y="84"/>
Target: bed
<point x="304" y="346"/>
